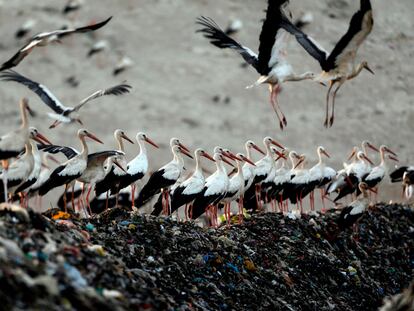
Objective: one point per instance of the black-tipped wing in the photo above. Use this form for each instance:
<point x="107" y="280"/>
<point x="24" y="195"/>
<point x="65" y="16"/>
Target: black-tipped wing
<point x="359" y="28"/>
<point x="218" y="38"/>
<point x="115" y="90"/>
<point x="271" y="39"/>
<point x="307" y="42"/>
<point x="98" y="158"/>
<point x="93" y="27"/>
<point x="42" y="91"/>
<point x="54" y="149"/>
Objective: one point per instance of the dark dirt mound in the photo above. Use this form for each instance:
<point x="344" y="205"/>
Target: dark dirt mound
<point x="120" y="261"/>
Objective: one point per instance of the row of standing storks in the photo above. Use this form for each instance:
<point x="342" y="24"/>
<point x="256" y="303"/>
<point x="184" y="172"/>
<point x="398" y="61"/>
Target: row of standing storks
<point x="271" y="62"/>
<point x="268" y="180"/>
<point x="252" y="184"/>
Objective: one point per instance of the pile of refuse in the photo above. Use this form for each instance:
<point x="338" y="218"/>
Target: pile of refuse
<point x="121" y="260"/>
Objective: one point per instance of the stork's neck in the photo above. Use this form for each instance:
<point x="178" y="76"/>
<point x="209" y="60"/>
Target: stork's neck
<point x="23" y="113"/>
<point x="84" y="152"/>
<point x="356" y="71"/>
<point x="303" y="76"/>
<point x="197" y="169"/>
<point x="142" y="147"/>
<point x="121" y="144"/>
<point x="178" y="158"/>
<point x="382" y="156"/>
<point x="292" y="161"/>
<point x="248" y="153"/>
<point x="320" y="162"/>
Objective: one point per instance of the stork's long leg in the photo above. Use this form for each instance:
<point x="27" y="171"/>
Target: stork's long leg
<point x="65" y="201"/>
<point x="87" y="199"/>
<point x="331" y="121"/>
<point x="276" y="91"/>
<point x="328" y="95"/>
<point x="5" y="164"/>
<point x="273" y="101"/>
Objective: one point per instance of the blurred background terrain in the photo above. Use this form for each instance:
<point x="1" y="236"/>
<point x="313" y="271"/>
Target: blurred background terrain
<point x="187" y="88"/>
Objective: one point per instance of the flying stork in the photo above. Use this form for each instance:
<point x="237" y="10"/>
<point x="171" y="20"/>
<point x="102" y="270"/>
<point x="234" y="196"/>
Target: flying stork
<point x="271" y="62"/>
<point x="61" y="114"/>
<point x="45" y="38"/>
<point x="338" y="66"/>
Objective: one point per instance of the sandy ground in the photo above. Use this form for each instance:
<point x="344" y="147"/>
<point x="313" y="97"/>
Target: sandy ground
<point x="177" y="73"/>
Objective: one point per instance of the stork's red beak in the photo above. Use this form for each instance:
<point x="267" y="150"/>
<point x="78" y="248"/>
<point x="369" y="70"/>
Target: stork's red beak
<point x="151" y="142"/>
<point x="256" y="147"/>
<point x="368" y="159"/>
<point x="206" y="155"/>
<point x="373" y="147"/>
<point x="274" y="142"/>
<point x="184" y="147"/>
<point x="393" y="158"/>
<point x="245" y="159"/>
<point x="299" y="163"/>
<point x="119" y="165"/>
<point x="127" y="139"/>
<point x="351" y="155"/>
<point x="227" y="161"/>
<point x="92" y="136"/>
<point x="390" y="151"/>
<point x="42" y="139"/>
<point x="184" y="151"/>
<point x="54" y="124"/>
<point x="326" y="153"/>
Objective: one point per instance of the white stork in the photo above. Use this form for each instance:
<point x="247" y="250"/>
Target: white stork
<point x="215" y="189"/>
<point x="354" y="211"/>
<point x="45" y="38"/>
<point x="408" y="182"/>
<point x="320" y="176"/>
<point x="112" y="179"/>
<point x="138" y="166"/>
<point x="352" y="176"/>
<point x="378" y="173"/>
<point x="164" y="178"/>
<point x="20" y="170"/>
<point x="13" y="143"/>
<point x="248" y="169"/>
<point x="236" y="187"/>
<point x="124" y="63"/>
<point x="37" y="158"/>
<point x="71" y="169"/>
<point x="261" y="171"/>
<point x="72" y="5"/>
<point x="271" y="62"/>
<point x="339" y="65"/>
<point x="98" y="46"/>
<point x="186" y="192"/>
<point x="25" y="28"/>
<point x="61" y="114"/>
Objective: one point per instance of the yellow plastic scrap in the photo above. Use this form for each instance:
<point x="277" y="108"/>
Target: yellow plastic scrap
<point x="61" y="215"/>
<point x="132" y="227"/>
<point x="249" y="265"/>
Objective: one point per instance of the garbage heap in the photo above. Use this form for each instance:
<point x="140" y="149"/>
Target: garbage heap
<point x="120" y="260"/>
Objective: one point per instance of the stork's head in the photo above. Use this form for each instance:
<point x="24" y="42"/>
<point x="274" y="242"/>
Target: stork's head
<point x="144" y="137"/>
<point x="365" y="66"/>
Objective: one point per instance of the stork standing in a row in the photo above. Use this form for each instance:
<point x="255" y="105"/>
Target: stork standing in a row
<point x="71" y="169"/>
<point x="138" y="166"/>
<point x="13" y="143"/>
<point x="215" y="189"/>
<point x="188" y="190"/>
<point x="165" y="177"/>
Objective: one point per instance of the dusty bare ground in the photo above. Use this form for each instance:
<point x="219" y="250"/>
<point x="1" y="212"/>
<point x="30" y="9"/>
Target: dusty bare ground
<point x="177" y="74"/>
